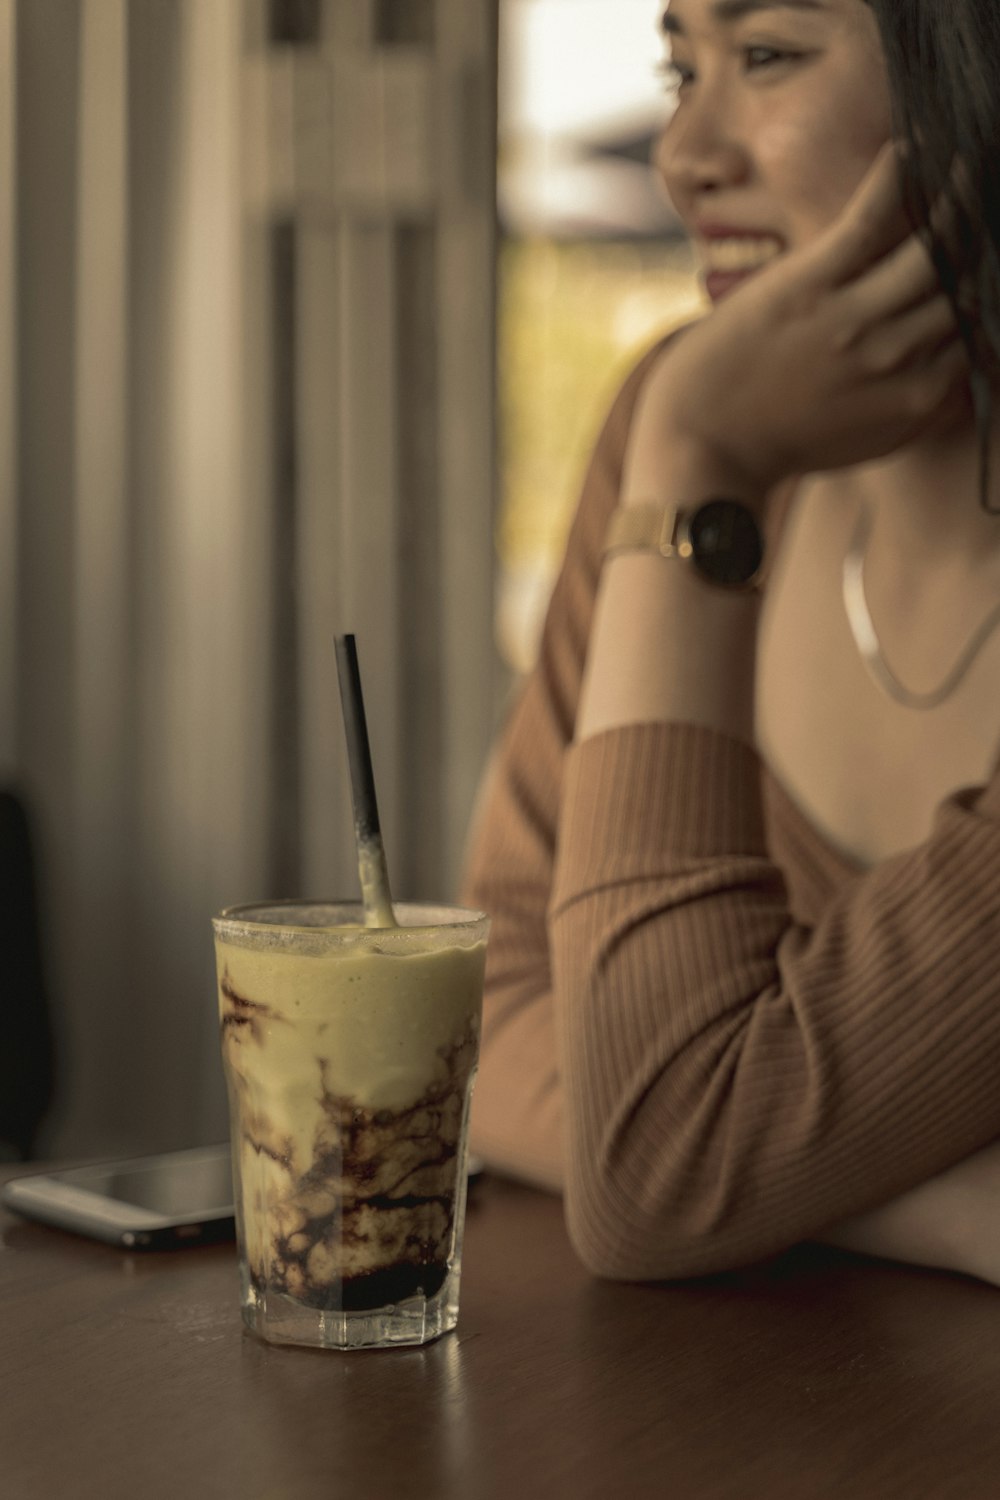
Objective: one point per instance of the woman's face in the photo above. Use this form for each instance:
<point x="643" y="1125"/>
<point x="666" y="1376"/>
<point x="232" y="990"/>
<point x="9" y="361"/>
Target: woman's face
<point x="782" y="106"/>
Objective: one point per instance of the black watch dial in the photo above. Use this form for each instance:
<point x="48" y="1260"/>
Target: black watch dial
<point x="726" y="544"/>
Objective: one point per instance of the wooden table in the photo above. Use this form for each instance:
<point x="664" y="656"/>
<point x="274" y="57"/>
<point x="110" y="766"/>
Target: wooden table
<point x="820" y="1376"/>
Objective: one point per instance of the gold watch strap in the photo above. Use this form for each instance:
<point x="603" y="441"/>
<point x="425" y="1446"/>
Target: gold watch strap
<point x="647" y="527"/>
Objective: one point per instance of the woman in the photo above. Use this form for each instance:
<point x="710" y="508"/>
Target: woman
<point x="741" y="838"/>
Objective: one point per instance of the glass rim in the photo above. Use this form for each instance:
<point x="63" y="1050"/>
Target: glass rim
<point x="468" y="917"/>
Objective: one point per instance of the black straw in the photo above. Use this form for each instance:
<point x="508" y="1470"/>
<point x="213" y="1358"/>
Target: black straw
<point x="359" y="755"/>
<point x="367" y="831"/>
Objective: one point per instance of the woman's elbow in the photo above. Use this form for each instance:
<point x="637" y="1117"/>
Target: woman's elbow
<point x="671" y="1220"/>
<point x="618" y="1239"/>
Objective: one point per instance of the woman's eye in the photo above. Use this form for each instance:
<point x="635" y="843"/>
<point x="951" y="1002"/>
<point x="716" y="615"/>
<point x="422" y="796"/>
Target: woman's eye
<point x="766" y="57"/>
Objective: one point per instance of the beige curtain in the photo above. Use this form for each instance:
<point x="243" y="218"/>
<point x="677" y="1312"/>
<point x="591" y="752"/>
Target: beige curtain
<point x="246" y="371"/>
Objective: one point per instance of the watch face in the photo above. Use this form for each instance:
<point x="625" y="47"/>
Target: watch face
<point x="726" y="544"/>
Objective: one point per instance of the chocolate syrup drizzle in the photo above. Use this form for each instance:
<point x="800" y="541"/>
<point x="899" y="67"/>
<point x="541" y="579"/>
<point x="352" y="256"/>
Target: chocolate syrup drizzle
<point x="382" y="1163"/>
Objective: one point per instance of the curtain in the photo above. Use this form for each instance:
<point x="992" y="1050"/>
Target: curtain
<point x="246" y="401"/>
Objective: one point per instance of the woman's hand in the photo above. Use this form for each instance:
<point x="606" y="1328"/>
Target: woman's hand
<point x="836" y="354"/>
<point x="951" y="1221"/>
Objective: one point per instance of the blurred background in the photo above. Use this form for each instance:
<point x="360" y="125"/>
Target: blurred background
<point x="592" y="266"/>
<point x="309" y="312"/>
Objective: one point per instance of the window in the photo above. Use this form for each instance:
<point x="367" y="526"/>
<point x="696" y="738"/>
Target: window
<point x="593" y="266"/>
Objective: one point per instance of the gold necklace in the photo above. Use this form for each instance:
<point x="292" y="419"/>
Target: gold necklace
<point x="867" y="641"/>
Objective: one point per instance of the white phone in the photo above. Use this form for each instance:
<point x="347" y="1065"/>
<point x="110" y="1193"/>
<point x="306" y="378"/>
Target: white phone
<point x="146" y="1203"/>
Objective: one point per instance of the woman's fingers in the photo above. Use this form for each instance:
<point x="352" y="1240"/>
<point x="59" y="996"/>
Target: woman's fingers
<point x="872" y="251"/>
<point x="950" y="368"/>
<point x="878" y="278"/>
<point x="905" y="278"/>
<point x="853" y="338"/>
<point x="918" y="393"/>
<point x="941" y="387"/>
<point x="915" y="335"/>
<point x="871" y="225"/>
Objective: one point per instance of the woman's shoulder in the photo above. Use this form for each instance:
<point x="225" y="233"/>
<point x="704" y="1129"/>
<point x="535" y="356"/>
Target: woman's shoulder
<point x="630" y="387"/>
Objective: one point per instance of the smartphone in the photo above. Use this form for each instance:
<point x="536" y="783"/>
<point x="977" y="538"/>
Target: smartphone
<point x="147" y="1203"/>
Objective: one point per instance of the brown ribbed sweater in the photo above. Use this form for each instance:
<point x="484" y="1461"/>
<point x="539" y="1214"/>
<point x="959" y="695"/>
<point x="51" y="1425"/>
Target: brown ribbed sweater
<point x="712" y="1031"/>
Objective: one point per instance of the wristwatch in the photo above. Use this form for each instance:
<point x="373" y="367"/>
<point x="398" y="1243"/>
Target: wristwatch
<point x="720" y="538"/>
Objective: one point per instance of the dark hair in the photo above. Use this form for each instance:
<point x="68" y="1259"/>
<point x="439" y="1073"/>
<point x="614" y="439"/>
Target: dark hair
<point x="943" y="60"/>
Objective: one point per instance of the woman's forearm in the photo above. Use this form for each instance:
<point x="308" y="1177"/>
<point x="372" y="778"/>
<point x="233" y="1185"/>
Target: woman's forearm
<point x="951" y="1222"/>
<point x="666" y="646"/>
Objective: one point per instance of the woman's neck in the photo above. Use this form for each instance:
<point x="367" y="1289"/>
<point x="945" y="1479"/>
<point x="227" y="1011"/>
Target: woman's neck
<point x="927" y="499"/>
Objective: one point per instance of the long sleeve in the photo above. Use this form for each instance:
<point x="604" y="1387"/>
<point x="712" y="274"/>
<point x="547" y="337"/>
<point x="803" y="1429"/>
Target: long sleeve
<point x="736" y="1081"/>
<point x="517" y="1112"/>
<point x="712" y="1067"/>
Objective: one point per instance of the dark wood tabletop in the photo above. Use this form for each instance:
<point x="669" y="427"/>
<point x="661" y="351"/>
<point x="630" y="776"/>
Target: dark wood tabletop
<point x="821" y="1375"/>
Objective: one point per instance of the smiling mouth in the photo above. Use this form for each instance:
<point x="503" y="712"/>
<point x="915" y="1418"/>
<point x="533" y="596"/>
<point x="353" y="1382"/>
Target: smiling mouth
<point x="737" y="254"/>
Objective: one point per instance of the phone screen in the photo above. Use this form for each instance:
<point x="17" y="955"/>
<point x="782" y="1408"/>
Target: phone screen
<point x="182" y="1186"/>
<point x="150" y="1202"/>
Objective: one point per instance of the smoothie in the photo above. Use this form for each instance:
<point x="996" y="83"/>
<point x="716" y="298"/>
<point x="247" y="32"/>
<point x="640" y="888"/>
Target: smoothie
<point x="349" y="1055"/>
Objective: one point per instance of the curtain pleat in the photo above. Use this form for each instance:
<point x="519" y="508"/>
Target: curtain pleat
<point x="246" y="401"/>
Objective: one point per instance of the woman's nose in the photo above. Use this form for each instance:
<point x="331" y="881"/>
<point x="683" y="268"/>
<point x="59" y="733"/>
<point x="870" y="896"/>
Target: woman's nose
<point x="701" y="149"/>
